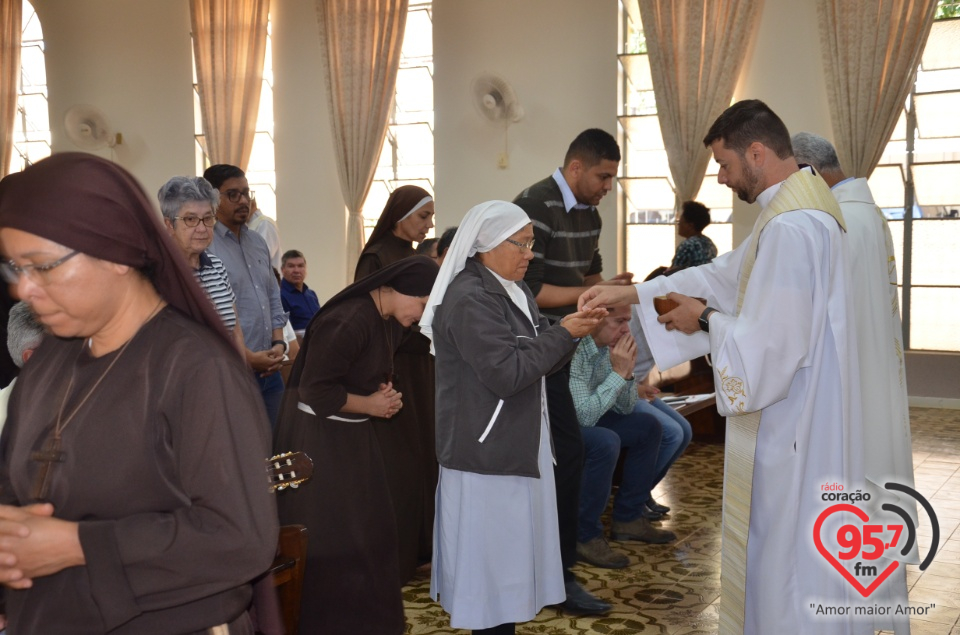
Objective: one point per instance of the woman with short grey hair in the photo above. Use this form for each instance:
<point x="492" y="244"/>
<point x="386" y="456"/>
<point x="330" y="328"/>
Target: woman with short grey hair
<point x="188" y="205"/>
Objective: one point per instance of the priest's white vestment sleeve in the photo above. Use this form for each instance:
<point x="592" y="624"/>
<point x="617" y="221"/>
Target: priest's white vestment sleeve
<point x="789" y="354"/>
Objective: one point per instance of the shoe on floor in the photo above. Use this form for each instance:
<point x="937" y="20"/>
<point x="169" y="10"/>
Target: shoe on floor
<point x="657" y="507"/>
<point x="651" y="514"/>
<point x="641" y="530"/>
<point x="598" y="553"/>
<point x="580" y="601"/>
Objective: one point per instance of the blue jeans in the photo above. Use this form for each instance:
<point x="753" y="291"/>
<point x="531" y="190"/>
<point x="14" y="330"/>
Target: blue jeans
<point x="271" y="389"/>
<point x="640" y="434"/>
<point x="676" y="434"/>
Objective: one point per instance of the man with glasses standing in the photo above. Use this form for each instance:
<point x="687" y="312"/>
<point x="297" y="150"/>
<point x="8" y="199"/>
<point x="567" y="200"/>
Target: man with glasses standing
<point x="566" y="261"/>
<point x="247" y="259"/>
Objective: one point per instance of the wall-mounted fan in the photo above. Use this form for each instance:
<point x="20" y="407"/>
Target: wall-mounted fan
<point x="497" y="102"/>
<point x="87" y="128"/>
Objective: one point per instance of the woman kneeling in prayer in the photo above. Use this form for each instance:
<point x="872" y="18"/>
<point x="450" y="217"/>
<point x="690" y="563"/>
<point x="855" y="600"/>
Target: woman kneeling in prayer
<point x="496" y="557"/>
<point x="340" y="391"/>
<point x="132" y="463"/>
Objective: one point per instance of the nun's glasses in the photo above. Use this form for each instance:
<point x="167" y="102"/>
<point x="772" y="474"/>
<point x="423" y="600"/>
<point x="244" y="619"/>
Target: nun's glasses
<point x="522" y="246"/>
<point x="38" y="274"/>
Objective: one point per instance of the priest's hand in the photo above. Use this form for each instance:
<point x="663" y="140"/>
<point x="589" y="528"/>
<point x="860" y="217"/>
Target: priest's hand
<point x="582" y="323"/>
<point x="605" y="295"/>
<point x="34" y="544"/>
<point x="686" y="317"/>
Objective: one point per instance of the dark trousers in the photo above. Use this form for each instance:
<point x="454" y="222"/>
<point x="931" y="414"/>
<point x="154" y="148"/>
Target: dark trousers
<point x="271" y="388"/>
<point x="568" y="446"/>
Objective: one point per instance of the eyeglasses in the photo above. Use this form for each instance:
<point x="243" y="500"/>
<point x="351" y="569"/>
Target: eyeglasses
<point x="522" y="246"/>
<point x="193" y="221"/>
<point x="38" y="274"/>
<point x="234" y="195"/>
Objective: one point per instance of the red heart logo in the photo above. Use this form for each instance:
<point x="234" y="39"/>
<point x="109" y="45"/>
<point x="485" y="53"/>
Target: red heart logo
<point x="862" y="515"/>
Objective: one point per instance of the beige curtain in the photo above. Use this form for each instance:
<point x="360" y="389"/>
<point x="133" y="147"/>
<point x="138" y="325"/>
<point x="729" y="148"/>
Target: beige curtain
<point x="696" y="52"/>
<point x="229" y="41"/>
<point x="870" y="52"/>
<point x="360" y="42"/>
<point x="11" y="12"/>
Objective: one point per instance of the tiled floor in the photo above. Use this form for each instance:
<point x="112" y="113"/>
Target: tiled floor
<point x="674" y="589"/>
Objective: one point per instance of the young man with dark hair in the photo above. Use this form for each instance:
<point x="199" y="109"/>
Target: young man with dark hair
<point x="780" y="338"/>
<point x="566" y="262"/>
<point x="247" y="259"/>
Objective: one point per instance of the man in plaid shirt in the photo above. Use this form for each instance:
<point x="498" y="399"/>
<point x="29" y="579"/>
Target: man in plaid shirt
<point x="604" y="393"/>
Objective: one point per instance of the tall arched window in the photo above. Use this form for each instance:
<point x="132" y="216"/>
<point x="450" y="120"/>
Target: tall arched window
<point x="261" y="170"/>
<point x="645" y="186"/>
<point x="407" y="155"/>
<point x="928" y="279"/>
<point x="31" y="131"/>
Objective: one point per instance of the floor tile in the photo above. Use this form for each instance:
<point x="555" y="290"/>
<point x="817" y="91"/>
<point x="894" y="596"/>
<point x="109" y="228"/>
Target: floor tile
<point x="675" y="589"/>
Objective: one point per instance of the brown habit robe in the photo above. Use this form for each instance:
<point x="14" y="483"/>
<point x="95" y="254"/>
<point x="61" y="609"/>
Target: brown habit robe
<point x="163" y="470"/>
<point x="350" y="582"/>
<point x="409" y="445"/>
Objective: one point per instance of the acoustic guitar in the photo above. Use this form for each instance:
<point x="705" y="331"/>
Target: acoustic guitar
<point x="288" y="470"/>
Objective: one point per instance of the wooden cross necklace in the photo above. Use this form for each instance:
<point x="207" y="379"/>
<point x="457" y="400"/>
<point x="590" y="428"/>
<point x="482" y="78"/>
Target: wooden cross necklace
<point x="51" y="451"/>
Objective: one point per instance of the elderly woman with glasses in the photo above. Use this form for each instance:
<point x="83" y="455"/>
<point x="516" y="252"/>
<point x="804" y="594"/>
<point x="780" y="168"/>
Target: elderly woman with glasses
<point x="496" y="558"/>
<point x="188" y="205"/>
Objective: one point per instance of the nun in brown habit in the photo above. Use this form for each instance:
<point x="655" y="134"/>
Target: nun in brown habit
<point x="133" y="450"/>
<point x="340" y="396"/>
<point x="409" y="445"/>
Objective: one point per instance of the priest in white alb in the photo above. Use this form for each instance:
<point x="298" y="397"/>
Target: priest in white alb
<point x="888" y="455"/>
<point x="779" y="328"/>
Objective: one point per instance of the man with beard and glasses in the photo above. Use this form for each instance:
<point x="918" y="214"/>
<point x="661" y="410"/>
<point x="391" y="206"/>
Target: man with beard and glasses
<point x="782" y="340"/>
<point x="247" y="258"/>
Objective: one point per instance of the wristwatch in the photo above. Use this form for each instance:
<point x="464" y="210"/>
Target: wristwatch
<point x="282" y="343"/>
<point x="705" y="319"/>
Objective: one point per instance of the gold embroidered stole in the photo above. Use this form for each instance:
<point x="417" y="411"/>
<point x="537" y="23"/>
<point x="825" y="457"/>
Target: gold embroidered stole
<point x="802" y="190"/>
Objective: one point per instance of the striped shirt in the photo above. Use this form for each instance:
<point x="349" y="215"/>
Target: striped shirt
<point x="567" y="240"/>
<point x="212" y="276"/>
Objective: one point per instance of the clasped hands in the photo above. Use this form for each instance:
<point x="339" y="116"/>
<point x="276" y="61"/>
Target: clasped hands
<point x="386" y="402"/>
<point x="34" y="544"/>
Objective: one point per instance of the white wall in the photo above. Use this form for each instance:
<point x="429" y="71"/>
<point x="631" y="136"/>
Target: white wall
<point x="310" y="211"/>
<point x="560" y="58"/>
<point x="784" y="68"/>
<point x="131" y="60"/>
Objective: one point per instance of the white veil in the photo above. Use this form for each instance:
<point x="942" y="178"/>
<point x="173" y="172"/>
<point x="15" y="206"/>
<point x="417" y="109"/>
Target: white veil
<point x="484" y="227"/>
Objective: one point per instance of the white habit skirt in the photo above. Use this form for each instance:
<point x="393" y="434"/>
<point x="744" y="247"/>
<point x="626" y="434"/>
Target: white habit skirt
<point x="496" y="547"/>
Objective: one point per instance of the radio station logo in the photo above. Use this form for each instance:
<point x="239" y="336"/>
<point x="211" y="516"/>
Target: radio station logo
<point x="856" y="548"/>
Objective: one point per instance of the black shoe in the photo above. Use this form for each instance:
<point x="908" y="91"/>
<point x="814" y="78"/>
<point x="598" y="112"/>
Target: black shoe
<point x="650" y="514"/>
<point x="580" y="602"/>
<point x="657" y="507"/>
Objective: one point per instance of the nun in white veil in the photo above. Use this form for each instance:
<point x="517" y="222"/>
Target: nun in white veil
<point x="496" y="548"/>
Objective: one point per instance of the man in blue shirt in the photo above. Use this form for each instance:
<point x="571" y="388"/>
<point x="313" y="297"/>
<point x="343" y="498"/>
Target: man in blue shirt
<point x="247" y="259"/>
<point x="298" y="299"/>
